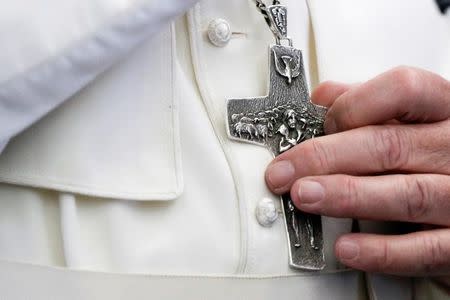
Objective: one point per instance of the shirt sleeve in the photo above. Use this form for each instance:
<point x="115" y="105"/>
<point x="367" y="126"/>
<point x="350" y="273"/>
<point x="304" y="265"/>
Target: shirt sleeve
<point x="28" y="95"/>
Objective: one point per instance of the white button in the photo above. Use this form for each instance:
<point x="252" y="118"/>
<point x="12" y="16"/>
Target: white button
<point x="266" y="212"/>
<point x="219" y="32"/>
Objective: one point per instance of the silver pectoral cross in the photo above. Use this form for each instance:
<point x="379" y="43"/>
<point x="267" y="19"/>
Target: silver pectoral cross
<point x="280" y="121"/>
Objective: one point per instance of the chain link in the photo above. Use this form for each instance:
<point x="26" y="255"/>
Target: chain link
<point x="263" y="9"/>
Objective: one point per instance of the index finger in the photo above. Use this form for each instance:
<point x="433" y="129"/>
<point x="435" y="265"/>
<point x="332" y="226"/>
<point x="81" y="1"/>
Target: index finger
<point x="405" y="94"/>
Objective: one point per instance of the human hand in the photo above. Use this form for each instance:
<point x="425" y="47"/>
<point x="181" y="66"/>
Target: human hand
<point x="387" y="157"/>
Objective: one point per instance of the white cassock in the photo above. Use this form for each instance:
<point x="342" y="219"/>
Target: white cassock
<point x="119" y="180"/>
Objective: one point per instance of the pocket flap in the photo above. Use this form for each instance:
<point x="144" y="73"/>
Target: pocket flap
<point x="117" y="138"/>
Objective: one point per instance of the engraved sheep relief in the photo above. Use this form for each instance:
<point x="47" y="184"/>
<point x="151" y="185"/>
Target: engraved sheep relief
<point x="285" y="125"/>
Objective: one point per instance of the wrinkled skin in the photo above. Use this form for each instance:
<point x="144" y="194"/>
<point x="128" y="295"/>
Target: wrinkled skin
<point x="386" y="157"/>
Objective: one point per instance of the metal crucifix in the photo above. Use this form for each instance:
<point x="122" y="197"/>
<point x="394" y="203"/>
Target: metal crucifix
<point x="280" y="121"/>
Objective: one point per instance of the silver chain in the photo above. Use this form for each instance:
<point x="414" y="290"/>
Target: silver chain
<point x="263" y="9"/>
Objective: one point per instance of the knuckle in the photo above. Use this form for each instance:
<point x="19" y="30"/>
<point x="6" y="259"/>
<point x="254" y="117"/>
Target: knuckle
<point x="438" y="147"/>
<point x="326" y="85"/>
<point x="345" y="118"/>
<point x="391" y="148"/>
<point x="385" y="261"/>
<point x="434" y="257"/>
<point x="348" y="204"/>
<point x="320" y="90"/>
<point x="409" y="82"/>
<point x="318" y="157"/>
<point x="417" y="201"/>
<point x="446" y="86"/>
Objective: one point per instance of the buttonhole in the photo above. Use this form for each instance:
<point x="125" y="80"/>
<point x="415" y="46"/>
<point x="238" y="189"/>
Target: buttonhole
<point x="239" y="35"/>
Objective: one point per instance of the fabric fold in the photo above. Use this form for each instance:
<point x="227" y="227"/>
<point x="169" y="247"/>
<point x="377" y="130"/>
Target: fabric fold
<point x="3" y="145"/>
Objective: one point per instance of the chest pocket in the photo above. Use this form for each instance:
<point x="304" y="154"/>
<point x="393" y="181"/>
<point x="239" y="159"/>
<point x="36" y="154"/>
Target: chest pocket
<point x="116" y="138"/>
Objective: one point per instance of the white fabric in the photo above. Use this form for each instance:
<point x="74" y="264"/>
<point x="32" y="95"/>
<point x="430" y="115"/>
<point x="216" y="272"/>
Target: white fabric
<point x="40" y="283"/>
<point x="210" y="227"/>
<point x="125" y="236"/>
<point x="426" y="289"/>
<point x="359" y="39"/>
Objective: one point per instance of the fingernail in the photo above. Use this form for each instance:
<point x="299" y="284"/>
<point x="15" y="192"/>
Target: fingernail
<point x="348" y="250"/>
<point x="330" y="126"/>
<point x="310" y="192"/>
<point x="280" y="174"/>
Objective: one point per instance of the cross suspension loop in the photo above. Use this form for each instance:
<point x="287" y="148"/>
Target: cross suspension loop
<point x="263" y="9"/>
<point x="276" y="18"/>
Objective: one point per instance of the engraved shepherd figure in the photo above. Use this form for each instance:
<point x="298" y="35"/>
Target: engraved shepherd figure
<point x="294" y="131"/>
<point x="292" y="134"/>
